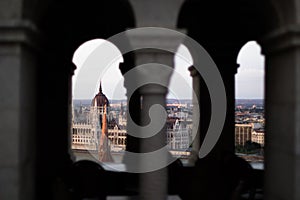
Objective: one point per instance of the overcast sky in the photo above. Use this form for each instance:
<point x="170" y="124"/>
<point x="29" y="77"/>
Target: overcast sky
<point x="249" y="79"/>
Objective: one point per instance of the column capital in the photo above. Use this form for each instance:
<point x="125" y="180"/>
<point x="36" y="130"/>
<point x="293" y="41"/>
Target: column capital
<point x="154" y="39"/>
<point x="150" y="78"/>
<point x="156" y="13"/>
<point x="282" y="39"/>
<point x="20" y="31"/>
<point x="72" y="68"/>
<point x="154" y="50"/>
<point x="193" y="71"/>
<point x="153" y="90"/>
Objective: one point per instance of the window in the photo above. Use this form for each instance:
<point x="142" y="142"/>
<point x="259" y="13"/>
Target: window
<point x="249" y="111"/>
<point x="97" y="95"/>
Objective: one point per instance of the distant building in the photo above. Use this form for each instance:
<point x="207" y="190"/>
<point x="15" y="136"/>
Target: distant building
<point x="243" y="133"/>
<point x="258" y="136"/>
<point x="122" y="118"/>
<point x="84" y="136"/>
<point x="81" y="115"/>
<point x="104" y="146"/>
<point x="178" y="135"/>
<point x="91" y="133"/>
<point x="117" y="138"/>
<point x="88" y="132"/>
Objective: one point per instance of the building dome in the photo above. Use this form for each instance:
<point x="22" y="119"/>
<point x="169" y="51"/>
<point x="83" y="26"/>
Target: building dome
<point x="100" y="99"/>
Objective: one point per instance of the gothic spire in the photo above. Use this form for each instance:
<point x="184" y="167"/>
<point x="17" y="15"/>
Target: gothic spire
<point x="100" y="88"/>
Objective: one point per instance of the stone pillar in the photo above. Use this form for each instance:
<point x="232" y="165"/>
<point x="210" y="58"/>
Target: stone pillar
<point x="228" y="68"/>
<point x="226" y="63"/>
<point x="71" y="111"/>
<point x="18" y="46"/>
<point x="196" y="114"/>
<point x="133" y="105"/>
<point x="153" y="185"/>
<point x="282" y="146"/>
<point x="154" y="13"/>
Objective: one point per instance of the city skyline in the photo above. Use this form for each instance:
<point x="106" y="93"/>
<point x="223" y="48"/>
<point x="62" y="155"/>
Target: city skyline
<point x="249" y="79"/>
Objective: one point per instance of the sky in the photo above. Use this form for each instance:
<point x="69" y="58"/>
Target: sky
<point x="249" y="79"/>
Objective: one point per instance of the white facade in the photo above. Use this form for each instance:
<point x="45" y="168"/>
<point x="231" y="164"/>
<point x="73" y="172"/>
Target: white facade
<point x="84" y="136"/>
<point x="178" y="137"/>
<point x="117" y="138"/>
<point x="258" y="137"/>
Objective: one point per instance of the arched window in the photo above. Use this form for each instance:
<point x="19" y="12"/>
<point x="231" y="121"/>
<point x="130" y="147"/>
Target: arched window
<point x="249" y="95"/>
<point x="180" y="98"/>
<point x="97" y="91"/>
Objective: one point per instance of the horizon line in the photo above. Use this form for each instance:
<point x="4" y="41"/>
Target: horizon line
<point x="176" y="99"/>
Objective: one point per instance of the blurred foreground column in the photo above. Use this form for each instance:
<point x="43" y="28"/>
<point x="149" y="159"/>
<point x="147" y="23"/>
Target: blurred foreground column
<point x="18" y="48"/>
<point x="282" y="149"/>
<point x="154" y="66"/>
<point x="156" y="13"/>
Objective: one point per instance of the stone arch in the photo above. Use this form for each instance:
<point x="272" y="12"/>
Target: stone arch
<point x="222" y="28"/>
<point x="63" y="27"/>
<point x="246" y="20"/>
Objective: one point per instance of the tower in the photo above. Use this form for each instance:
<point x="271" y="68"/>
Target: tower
<point x="104" y="147"/>
<point x="100" y="100"/>
<point x="99" y="107"/>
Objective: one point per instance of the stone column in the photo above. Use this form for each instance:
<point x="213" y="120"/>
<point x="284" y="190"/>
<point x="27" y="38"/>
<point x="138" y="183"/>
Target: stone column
<point x="228" y="68"/>
<point x="282" y="146"/>
<point x="154" y="13"/>
<point x="133" y="106"/>
<point x="211" y="167"/>
<point x="196" y="114"/>
<point x="153" y="185"/>
<point x="18" y="46"/>
<point x="71" y="110"/>
<point x="226" y="63"/>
